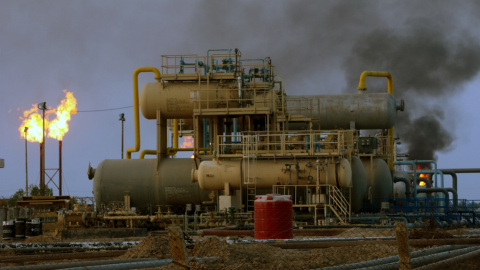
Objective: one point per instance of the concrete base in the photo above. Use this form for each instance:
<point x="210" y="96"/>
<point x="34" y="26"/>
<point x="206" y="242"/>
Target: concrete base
<point x="230" y="201"/>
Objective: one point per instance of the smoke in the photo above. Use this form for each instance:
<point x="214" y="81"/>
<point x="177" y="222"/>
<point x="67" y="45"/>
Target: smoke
<point x="430" y="55"/>
<point x="425" y="135"/>
<point x="428" y="63"/>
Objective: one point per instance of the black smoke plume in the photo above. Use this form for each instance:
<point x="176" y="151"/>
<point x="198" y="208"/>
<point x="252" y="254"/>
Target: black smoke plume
<point x="427" y="64"/>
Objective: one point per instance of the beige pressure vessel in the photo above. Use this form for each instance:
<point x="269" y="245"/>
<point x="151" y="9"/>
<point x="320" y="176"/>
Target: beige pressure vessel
<point x="176" y="100"/>
<point x="212" y="175"/>
<point x="366" y="110"/>
<point x="171" y="185"/>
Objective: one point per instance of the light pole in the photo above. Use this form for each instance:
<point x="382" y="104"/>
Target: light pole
<point x="26" y="162"/>
<point x="122" y="118"/>
<point x="42" y="106"/>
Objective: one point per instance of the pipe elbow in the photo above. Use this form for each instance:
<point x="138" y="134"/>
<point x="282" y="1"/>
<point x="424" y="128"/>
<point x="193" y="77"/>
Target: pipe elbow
<point x="362" y="85"/>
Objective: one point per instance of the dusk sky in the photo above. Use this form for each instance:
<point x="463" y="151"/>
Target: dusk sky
<point x="91" y="48"/>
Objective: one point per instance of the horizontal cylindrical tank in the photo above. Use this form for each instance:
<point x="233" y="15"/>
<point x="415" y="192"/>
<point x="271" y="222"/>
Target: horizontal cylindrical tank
<point x="213" y="175"/>
<point x="367" y="110"/>
<point x="139" y="178"/>
<point x="359" y="184"/>
<point x="176" y="100"/>
<point x="379" y="180"/>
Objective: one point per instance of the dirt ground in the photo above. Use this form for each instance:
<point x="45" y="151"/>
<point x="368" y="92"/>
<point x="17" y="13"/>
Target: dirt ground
<point x="264" y="256"/>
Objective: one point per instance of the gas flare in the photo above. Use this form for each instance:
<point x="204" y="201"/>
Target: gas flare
<point x="55" y="128"/>
<point x="187" y="142"/>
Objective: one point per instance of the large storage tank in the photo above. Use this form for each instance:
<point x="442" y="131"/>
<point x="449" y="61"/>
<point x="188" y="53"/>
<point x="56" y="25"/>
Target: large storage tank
<point x="171" y="185"/>
<point x="367" y="110"/>
<point x="359" y="184"/>
<point x="379" y="180"/>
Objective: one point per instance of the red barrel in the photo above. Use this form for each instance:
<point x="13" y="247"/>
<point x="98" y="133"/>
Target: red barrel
<point x="273" y="217"/>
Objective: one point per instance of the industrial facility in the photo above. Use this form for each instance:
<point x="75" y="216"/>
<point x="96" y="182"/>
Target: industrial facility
<point x="334" y="155"/>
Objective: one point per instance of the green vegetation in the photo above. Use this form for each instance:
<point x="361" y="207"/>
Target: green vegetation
<point x="33" y="190"/>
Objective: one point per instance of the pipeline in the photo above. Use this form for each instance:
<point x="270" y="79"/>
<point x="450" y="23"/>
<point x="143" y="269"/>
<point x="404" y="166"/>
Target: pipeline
<point x="420" y="261"/>
<point x="78" y="264"/>
<point x="138" y="265"/>
<point x="466" y="170"/>
<point x="20" y="245"/>
<point x="136" y="106"/>
<point x="453" y="174"/>
<point x="452" y="260"/>
<point x="408" y="185"/>
<point x="444" y="191"/>
<point x="393" y="259"/>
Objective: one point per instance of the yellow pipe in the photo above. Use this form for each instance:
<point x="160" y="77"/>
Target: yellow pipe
<point x="147" y="152"/>
<point x="362" y="87"/>
<point x="136" y="106"/>
<point x="175" y="133"/>
<point x="365" y="74"/>
<point x="170" y="151"/>
<point x="173" y="151"/>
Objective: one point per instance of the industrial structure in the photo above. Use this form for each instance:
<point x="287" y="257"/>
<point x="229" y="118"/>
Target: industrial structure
<point x="334" y="154"/>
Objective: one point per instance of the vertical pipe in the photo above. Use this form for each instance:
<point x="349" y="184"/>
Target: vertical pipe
<point x="26" y="164"/>
<point x="60" y="168"/>
<point x="122" y="138"/>
<point x="205" y="133"/>
<point x="175" y="133"/>
<point x="136" y="109"/>
<point x="41" y="169"/>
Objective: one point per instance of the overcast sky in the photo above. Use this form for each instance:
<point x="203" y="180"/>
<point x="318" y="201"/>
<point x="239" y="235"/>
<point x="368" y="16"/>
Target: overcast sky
<point x="91" y="48"/>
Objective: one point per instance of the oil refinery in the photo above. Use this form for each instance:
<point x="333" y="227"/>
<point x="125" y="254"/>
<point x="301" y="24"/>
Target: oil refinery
<point x="335" y="155"/>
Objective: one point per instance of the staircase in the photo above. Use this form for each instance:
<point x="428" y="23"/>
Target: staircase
<point x="338" y="204"/>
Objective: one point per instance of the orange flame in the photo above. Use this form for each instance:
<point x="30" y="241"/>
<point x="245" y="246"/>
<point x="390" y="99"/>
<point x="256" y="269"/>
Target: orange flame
<point x="55" y="128"/>
<point x="187" y="142"/>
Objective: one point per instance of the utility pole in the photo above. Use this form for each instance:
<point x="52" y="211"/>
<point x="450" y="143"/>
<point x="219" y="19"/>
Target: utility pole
<point x="122" y="118"/>
<point x="26" y="162"/>
<point x="42" y="106"/>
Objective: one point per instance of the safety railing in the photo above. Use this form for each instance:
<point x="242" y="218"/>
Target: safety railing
<point x="317" y="196"/>
<point x="229" y="98"/>
<point x="225" y="63"/>
<point x="257" y="73"/>
<point x="298" y="108"/>
<point x="324" y="143"/>
<point x="441" y="210"/>
<point x="182" y="64"/>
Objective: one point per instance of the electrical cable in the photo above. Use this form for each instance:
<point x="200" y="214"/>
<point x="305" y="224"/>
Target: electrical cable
<point x="102" y="110"/>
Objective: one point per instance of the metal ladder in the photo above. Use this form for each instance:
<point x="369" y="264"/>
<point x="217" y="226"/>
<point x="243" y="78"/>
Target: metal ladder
<point x="250" y="147"/>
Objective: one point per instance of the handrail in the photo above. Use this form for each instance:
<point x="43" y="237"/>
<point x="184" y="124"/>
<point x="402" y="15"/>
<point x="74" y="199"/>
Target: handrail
<point x="318" y="143"/>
